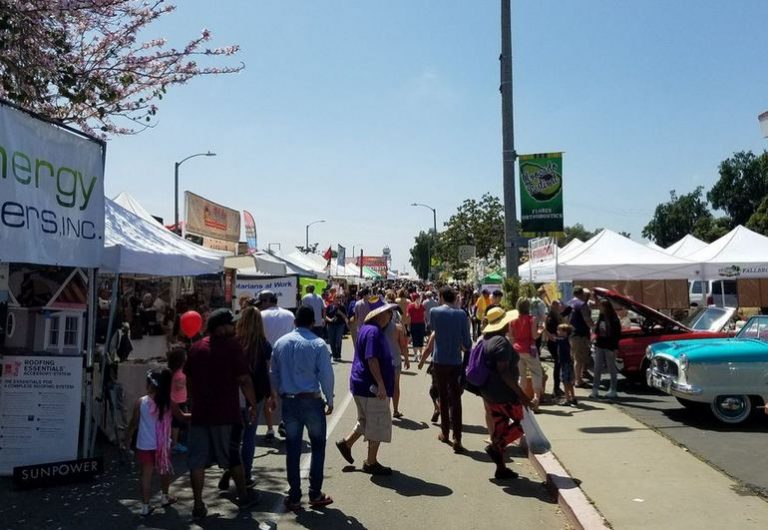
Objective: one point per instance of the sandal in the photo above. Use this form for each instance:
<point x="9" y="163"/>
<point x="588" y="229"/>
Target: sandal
<point x="397" y="414"/>
<point x="320" y="501"/>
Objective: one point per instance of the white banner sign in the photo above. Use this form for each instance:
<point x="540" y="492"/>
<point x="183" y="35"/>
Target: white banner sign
<point x="51" y="194"/>
<point x="466" y="252"/>
<point x="39" y="410"/>
<point x="541" y="249"/>
<point x="285" y="287"/>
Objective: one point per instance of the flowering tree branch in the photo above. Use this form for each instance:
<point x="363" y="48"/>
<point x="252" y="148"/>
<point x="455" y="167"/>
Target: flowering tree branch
<point x="80" y="61"/>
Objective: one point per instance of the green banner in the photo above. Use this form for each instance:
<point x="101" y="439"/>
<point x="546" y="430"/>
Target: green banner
<point x="320" y="285"/>
<point x="541" y="194"/>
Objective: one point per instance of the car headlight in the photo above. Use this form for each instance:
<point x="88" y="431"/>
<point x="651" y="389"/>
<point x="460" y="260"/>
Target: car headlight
<point x="684" y="362"/>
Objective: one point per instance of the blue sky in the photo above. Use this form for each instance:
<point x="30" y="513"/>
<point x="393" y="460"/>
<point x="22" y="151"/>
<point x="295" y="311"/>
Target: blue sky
<point x="351" y="110"/>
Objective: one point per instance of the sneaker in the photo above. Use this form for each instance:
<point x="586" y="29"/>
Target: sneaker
<point x="251" y="499"/>
<point x="505" y="473"/>
<point x="199" y="512"/>
<point x="180" y="448"/>
<point x="146" y="510"/>
<point x="270" y="436"/>
<point x="377" y="469"/>
<point x="292" y="506"/>
<point x="594" y="395"/>
<point x="345" y="451"/>
<point x="250" y="483"/>
<point x="320" y="501"/>
<point x="167" y="500"/>
<point x="611" y="395"/>
<point x="281" y="429"/>
<point x="435" y="416"/>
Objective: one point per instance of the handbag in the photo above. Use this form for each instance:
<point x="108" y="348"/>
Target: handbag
<point x="534" y="436"/>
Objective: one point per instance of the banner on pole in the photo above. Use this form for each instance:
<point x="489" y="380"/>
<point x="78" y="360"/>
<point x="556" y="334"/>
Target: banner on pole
<point x="466" y="252"/>
<point x="341" y="256"/>
<point x="211" y="221"/>
<point x="51" y="193"/>
<point x="541" y="194"/>
<point x="250" y="232"/>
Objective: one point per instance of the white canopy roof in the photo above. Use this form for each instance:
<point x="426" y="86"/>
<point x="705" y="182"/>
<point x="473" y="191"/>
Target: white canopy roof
<point x="127" y="201"/>
<point x="134" y="245"/>
<point x="740" y="253"/>
<point x="686" y="246"/>
<point x="260" y="263"/>
<point x="654" y="246"/>
<point x="544" y="271"/>
<point x="609" y="255"/>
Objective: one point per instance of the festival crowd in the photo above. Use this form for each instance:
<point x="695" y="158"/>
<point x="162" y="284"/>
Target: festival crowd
<point x="263" y="356"/>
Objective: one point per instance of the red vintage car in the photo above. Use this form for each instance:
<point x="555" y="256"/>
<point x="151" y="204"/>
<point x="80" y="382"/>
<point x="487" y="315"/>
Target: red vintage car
<point x="643" y="326"/>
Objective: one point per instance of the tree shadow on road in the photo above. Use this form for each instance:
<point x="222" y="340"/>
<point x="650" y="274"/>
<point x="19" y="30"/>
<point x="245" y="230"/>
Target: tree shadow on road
<point x="409" y="486"/>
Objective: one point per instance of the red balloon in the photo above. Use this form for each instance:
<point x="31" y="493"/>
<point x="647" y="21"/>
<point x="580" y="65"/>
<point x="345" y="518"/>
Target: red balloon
<point x="190" y="323"/>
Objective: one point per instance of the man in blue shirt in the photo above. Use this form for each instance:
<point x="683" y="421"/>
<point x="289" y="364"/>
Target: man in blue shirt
<point x="301" y="367"/>
<point x="451" y="328"/>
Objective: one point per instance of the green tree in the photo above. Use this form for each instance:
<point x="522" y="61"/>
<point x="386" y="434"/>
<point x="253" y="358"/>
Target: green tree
<point x="420" y="253"/>
<point x="708" y="229"/>
<point x="476" y="222"/>
<point x="758" y="221"/>
<point x="677" y="218"/>
<point x="742" y="185"/>
<point x="576" y="231"/>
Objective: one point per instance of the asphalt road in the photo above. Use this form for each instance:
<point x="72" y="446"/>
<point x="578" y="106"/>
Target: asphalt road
<point x="739" y="451"/>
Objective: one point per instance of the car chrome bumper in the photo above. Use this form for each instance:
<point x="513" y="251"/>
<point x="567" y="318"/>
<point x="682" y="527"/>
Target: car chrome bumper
<point x="667" y="383"/>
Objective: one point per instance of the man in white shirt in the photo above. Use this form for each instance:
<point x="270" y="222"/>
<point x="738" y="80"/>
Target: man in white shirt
<point x="277" y="323"/>
<point x="315" y="302"/>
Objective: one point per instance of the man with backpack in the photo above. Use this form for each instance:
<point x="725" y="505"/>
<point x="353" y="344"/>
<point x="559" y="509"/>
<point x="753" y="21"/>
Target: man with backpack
<point x="494" y="369"/>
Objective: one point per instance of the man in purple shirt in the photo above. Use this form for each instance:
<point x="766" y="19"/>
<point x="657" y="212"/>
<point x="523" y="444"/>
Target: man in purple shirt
<point x="372" y="383"/>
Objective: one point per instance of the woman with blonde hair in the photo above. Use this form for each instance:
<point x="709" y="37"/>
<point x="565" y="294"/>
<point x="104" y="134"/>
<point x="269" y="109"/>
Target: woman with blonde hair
<point x="524" y="332"/>
<point x="258" y="352"/>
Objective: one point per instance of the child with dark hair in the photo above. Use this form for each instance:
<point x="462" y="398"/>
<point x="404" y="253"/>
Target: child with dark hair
<point x="152" y="419"/>
<point x="176" y="359"/>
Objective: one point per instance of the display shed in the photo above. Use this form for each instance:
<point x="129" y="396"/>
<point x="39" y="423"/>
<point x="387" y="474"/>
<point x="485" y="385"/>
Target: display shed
<point x="51" y="244"/>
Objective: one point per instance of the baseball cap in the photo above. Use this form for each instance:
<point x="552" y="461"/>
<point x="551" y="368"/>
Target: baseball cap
<point x="265" y="296"/>
<point x="221" y="317"/>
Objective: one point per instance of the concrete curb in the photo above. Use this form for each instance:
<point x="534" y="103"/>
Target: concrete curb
<point x="577" y="508"/>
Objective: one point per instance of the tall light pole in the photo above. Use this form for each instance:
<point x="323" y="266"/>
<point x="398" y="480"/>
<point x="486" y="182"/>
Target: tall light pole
<point x="176" y="188"/>
<point x="429" y="240"/>
<point x="306" y="243"/>
<point x="512" y="253"/>
<point x="353" y="249"/>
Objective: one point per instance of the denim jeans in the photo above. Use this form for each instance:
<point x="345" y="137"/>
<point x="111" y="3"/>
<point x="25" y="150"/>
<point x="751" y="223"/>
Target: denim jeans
<point x="335" y="335"/>
<point x="248" y="445"/>
<point x="297" y="414"/>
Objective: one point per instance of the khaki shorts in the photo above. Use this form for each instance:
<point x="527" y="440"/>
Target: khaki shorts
<point x="374" y="419"/>
<point x="580" y="349"/>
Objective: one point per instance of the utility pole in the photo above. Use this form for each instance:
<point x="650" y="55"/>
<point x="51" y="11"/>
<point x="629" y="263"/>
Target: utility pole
<point x="512" y="253"/>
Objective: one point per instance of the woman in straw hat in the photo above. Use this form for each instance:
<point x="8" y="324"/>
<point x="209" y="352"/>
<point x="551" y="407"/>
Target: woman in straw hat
<point x="502" y="394"/>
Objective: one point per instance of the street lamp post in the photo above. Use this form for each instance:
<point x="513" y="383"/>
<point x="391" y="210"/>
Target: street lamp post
<point x="306" y="243"/>
<point x="176" y="188"/>
<point x="434" y="226"/>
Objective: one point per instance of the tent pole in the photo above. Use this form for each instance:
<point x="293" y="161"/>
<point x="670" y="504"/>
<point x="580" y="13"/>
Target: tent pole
<point x="85" y="450"/>
<point x="722" y="291"/>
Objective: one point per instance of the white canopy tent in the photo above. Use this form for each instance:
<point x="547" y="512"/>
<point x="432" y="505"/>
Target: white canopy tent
<point x="134" y="245"/>
<point x="686" y="246"/>
<point x="741" y="253"/>
<point x="127" y="201"/>
<point x="654" y="246"/>
<point x="258" y="264"/>
<point x="609" y="255"/>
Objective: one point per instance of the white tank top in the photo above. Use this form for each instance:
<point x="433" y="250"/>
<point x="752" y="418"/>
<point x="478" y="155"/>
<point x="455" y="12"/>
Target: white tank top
<point x="146" y="440"/>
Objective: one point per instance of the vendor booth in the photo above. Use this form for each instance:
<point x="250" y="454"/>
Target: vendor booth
<point x="51" y="242"/>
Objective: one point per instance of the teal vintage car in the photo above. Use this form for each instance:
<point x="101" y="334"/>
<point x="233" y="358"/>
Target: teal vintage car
<point x="729" y="375"/>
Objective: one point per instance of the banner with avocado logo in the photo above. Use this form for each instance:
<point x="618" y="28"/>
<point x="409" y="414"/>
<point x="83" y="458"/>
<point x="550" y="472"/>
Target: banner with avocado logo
<point x="51" y="193"/>
<point x="541" y="194"/>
